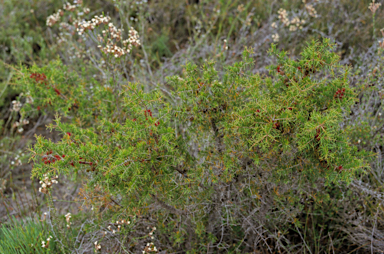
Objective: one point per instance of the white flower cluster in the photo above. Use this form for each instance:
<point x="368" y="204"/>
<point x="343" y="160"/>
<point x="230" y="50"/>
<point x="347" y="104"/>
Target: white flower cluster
<point x="47" y="183"/>
<point x="112" y="230"/>
<point x="92" y="24"/>
<point x="20" y="124"/>
<point x="225" y="46"/>
<point x="45" y="245"/>
<point x="68" y="218"/>
<point x="17" y="161"/>
<point x="374" y="6"/>
<point x="150" y="248"/>
<point x="23" y="122"/>
<point x="16" y="106"/>
<point x="133" y="38"/>
<point x="29" y="99"/>
<point x="97" y="246"/>
<point x="112" y="48"/>
<point x="118" y="224"/>
<point x="240" y="8"/>
<point x="311" y="11"/>
<point x="114" y="35"/>
<point x="283" y="16"/>
<point x="122" y="222"/>
<point x="296" y="23"/>
<point x="275" y="37"/>
<point x="54" y="18"/>
<point x="69" y="7"/>
<point x="151" y="233"/>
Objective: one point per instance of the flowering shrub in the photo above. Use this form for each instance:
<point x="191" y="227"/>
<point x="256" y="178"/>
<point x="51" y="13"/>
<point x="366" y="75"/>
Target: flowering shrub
<point x="258" y="161"/>
<point x="182" y="153"/>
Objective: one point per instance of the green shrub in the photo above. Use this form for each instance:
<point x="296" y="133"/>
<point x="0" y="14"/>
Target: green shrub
<point x="237" y="179"/>
<point x="257" y="142"/>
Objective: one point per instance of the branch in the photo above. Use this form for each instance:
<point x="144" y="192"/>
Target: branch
<point x="182" y="172"/>
<point x="168" y="207"/>
<point x="217" y="135"/>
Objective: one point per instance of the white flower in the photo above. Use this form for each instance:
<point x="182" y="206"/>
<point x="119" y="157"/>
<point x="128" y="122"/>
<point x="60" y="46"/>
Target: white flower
<point x="374" y="6"/>
<point x="275" y="37"/>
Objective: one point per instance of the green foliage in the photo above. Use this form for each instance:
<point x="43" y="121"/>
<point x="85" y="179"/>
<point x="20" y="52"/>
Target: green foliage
<point x="285" y="126"/>
<point x="25" y="237"/>
<point x="160" y="48"/>
<point x="228" y="155"/>
<point x="19" y="43"/>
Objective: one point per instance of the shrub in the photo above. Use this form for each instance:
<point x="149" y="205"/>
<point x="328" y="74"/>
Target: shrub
<point x="216" y="157"/>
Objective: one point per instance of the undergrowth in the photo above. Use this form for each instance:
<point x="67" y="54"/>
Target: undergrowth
<point x="191" y="126"/>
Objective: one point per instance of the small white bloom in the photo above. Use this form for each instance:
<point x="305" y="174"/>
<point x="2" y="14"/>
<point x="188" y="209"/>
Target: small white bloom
<point x="275" y="37"/>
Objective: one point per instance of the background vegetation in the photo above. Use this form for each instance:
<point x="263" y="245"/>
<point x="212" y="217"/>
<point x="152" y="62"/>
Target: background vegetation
<point x="84" y="86"/>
